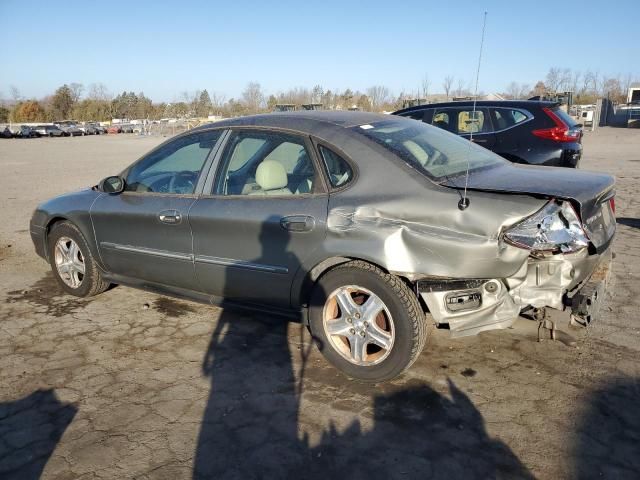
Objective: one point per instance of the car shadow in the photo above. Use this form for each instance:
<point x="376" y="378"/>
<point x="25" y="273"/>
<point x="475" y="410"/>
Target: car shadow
<point x="607" y="439"/>
<point x="30" y="429"/>
<point x="629" y="222"/>
<point x="251" y="428"/>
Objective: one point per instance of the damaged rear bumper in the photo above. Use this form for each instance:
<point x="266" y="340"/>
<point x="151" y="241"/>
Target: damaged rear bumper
<point x="576" y="281"/>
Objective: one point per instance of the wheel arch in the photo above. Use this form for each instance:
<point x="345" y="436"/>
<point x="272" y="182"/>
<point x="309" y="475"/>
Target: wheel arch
<point x="303" y="285"/>
<point x="86" y="230"/>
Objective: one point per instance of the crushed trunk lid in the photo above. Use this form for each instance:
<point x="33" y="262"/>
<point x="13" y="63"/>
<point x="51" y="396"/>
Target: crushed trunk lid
<point x="590" y="191"/>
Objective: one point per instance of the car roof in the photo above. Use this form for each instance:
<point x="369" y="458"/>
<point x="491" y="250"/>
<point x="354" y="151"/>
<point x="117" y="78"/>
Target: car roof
<point x="307" y="121"/>
<point x="481" y="103"/>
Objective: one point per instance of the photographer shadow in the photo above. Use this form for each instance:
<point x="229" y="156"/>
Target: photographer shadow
<point x="252" y="429"/>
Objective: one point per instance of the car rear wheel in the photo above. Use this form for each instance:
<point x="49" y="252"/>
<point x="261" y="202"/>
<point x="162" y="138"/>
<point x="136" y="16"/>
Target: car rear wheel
<point x="72" y="263"/>
<point x="366" y="322"/>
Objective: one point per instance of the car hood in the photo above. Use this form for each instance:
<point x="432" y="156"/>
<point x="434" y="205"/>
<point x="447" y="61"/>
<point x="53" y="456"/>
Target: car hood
<point x="589" y="191"/>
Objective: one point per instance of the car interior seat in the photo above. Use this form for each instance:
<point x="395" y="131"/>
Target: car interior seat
<point x="272" y="179"/>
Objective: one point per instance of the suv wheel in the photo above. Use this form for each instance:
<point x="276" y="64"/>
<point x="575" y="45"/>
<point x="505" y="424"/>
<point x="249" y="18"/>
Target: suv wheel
<point x="72" y="263"/>
<point x="366" y="322"/>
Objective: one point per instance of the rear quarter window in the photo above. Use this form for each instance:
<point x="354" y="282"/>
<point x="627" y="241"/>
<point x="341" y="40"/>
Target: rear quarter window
<point x="565" y="117"/>
<point x="338" y="169"/>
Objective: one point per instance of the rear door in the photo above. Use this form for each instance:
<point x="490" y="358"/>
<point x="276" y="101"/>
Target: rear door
<point x="264" y="212"/>
<point x="512" y="142"/>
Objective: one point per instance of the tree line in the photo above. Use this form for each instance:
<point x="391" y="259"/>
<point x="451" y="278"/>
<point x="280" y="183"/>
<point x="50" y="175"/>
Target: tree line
<point x="73" y="101"/>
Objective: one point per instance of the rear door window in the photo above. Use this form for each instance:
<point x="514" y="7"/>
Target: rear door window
<point x="265" y="163"/>
<point x="473" y="121"/>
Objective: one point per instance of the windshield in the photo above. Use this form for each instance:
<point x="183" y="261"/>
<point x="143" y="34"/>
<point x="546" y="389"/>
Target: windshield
<point x="434" y="152"/>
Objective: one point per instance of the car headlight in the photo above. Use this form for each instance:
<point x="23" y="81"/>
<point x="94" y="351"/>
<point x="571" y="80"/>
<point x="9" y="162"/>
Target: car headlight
<point x="554" y="227"/>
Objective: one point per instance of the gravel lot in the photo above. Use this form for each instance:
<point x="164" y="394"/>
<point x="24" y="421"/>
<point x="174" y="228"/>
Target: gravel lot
<point x="130" y="384"/>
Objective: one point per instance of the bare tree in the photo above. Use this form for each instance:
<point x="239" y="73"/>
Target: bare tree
<point x="76" y="91"/>
<point x="378" y="96"/>
<point x="217" y="102"/>
<point x="460" y="90"/>
<point x="14" y="93"/>
<point x="446" y="84"/>
<point x="253" y="96"/>
<point x="575" y="81"/>
<point x="98" y="91"/>
<point x="426" y="83"/>
<point x="565" y="79"/>
<point x="317" y="94"/>
<point x="626" y="82"/>
<point x="517" y="91"/>
<point x="553" y="79"/>
<point x="612" y="88"/>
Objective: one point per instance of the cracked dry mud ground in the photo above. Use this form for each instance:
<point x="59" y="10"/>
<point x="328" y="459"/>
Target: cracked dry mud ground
<point x="130" y="384"/>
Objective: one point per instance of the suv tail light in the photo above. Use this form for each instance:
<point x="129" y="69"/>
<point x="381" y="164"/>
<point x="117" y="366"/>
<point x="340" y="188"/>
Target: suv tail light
<point x="561" y="132"/>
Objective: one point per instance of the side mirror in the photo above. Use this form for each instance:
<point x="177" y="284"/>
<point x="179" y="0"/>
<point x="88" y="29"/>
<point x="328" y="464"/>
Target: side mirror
<point x="113" y="184"/>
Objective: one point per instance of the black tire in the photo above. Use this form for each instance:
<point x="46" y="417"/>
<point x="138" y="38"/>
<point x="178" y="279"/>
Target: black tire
<point x="92" y="282"/>
<point x="402" y="304"/>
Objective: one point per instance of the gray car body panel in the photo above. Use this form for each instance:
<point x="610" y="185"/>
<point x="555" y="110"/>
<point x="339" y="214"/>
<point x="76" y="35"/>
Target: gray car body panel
<point x="416" y="231"/>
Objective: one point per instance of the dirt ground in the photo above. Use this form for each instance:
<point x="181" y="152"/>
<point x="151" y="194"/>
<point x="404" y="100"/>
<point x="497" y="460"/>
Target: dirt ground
<point x="130" y="384"/>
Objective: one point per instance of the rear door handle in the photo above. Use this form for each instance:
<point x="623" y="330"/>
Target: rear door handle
<point x="298" y="223"/>
<point x="171" y="217"/>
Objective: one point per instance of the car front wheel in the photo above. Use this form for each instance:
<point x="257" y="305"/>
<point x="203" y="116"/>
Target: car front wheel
<point x="72" y="263"/>
<point x="366" y="322"/>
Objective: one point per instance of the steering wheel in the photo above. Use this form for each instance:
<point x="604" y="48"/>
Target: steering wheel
<point x="182" y="180"/>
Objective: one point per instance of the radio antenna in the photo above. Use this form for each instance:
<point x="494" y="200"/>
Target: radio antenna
<point x="464" y="201"/>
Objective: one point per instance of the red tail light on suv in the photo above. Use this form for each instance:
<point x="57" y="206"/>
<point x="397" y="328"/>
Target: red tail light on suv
<point x="561" y="132"/>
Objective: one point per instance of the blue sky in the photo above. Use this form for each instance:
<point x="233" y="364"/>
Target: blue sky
<point x="165" y="48"/>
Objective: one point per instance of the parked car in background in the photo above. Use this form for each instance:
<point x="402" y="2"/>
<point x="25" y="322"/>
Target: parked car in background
<point x="69" y="127"/>
<point x="5" y="132"/>
<point x="22" y="131"/>
<point x="114" y="129"/>
<point x="126" y="128"/>
<point x="351" y="221"/>
<point x="48" y="131"/>
<point x="71" y="130"/>
<point x="87" y="129"/>
<point x="99" y="128"/>
<point x="533" y="132"/>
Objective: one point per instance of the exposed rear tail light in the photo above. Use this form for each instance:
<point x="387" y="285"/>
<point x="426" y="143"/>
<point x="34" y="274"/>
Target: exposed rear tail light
<point x="612" y="203"/>
<point x="560" y="133"/>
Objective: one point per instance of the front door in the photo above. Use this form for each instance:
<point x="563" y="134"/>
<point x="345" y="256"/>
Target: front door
<point x="144" y="232"/>
<point x="265" y="214"/>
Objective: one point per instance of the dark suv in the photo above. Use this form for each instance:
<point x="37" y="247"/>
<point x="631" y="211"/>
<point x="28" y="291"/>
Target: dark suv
<point x="533" y="132"/>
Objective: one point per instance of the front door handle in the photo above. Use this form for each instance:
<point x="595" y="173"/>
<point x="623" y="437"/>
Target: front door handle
<point x="171" y="217"/>
<point x="298" y="223"/>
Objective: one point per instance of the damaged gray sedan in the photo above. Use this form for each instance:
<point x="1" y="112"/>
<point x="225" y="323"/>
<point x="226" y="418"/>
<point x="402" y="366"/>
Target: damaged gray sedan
<point x="359" y="223"/>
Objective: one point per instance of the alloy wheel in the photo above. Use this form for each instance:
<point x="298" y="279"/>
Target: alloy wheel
<point x="69" y="262"/>
<point x="358" y="324"/>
